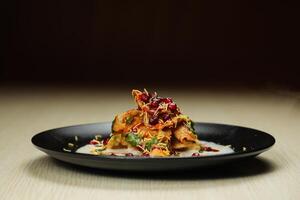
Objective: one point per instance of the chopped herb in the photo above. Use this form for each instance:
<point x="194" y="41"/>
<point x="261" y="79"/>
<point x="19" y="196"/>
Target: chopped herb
<point x="129" y="119"/>
<point x="98" y="137"/>
<point x="184" y="117"/>
<point x="99" y="150"/>
<point x="132" y="139"/>
<point x="149" y="144"/>
<point x="190" y="125"/>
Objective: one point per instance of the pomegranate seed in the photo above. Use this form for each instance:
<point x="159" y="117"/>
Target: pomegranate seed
<point x="154" y="104"/>
<point x="167" y="100"/>
<point x="139" y="148"/>
<point x="210" y="149"/>
<point x="145" y="154"/>
<point x="172" y="106"/>
<point x="105" y="141"/>
<point x="153" y="120"/>
<point x="166" y="117"/>
<point x="129" y="154"/>
<point x="151" y="112"/>
<point x="196" y="154"/>
<point x="93" y="142"/>
<point x="144" y="97"/>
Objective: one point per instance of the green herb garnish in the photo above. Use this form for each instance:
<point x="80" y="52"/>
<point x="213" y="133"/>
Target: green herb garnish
<point x="98" y="137"/>
<point x="190" y="126"/>
<point x="133" y="139"/>
<point x="99" y="150"/>
<point x="149" y="144"/>
<point x="129" y="120"/>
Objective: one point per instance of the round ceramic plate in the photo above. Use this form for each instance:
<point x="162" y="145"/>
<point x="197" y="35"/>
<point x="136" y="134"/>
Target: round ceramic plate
<point x="246" y="143"/>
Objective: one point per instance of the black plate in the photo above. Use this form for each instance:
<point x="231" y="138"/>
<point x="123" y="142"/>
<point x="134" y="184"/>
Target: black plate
<point x="246" y="142"/>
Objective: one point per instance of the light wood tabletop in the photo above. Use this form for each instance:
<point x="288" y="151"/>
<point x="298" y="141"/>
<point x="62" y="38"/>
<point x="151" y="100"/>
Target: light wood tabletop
<point x="26" y="173"/>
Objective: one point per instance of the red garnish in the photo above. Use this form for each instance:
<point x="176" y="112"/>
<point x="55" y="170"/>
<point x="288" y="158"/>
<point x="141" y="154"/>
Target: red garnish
<point x="144" y="97"/>
<point x="172" y="106"/>
<point x="154" y="104"/>
<point x="151" y="112"/>
<point x="209" y="149"/>
<point x="129" y="154"/>
<point x="195" y="154"/>
<point x="166" y="117"/>
<point x="139" y="148"/>
<point x="93" y="142"/>
<point x="145" y="155"/>
<point x="153" y="120"/>
<point x="167" y="100"/>
<point x="105" y="141"/>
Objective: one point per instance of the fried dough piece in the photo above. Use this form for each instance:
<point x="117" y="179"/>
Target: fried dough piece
<point x="176" y="145"/>
<point x="124" y="122"/>
<point x="182" y="134"/>
<point x="117" y="141"/>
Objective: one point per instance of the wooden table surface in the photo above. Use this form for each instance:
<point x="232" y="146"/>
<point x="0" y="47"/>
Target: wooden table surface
<point x="26" y="173"/>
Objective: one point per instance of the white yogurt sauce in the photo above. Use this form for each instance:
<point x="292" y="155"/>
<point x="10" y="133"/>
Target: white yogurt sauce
<point x="121" y="152"/>
<point x="223" y="149"/>
<point x="86" y="149"/>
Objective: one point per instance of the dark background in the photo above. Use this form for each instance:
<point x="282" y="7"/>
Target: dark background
<point x="219" y="43"/>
